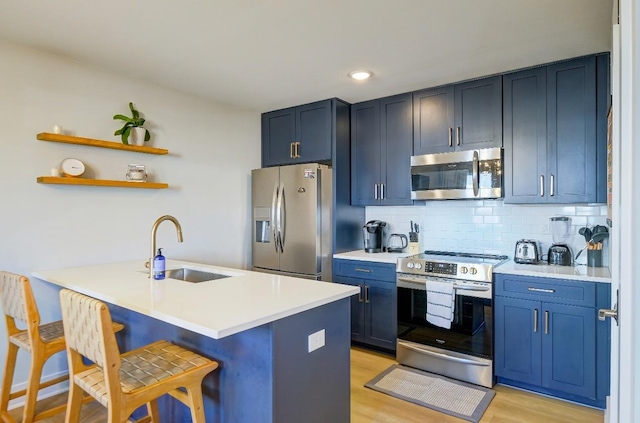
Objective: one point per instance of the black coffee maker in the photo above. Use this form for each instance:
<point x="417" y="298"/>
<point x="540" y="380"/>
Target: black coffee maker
<point x="373" y="235"/>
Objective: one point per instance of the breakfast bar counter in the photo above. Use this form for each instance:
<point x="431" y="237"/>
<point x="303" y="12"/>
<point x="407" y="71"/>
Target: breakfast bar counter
<point x="282" y="342"/>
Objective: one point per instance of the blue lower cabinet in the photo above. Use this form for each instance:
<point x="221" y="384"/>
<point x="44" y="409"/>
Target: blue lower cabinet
<point x="569" y="349"/>
<point x="544" y="345"/>
<point x="357" y="307"/>
<point x="517" y="340"/>
<point x="373" y="310"/>
<point x="380" y="313"/>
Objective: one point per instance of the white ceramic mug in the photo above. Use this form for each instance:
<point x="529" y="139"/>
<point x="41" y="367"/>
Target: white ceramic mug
<point x="136" y="173"/>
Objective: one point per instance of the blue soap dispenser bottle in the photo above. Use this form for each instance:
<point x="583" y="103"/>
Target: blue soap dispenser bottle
<point x="158" y="265"/>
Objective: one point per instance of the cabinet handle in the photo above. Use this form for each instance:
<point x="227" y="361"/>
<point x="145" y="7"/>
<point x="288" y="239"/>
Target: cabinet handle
<point x="360" y="294"/>
<point x="450" y="137"/>
<point x="382" y="191"/>
<point x="357" y="269"/>
<point x="551" y="186"/>
<point x="458" y="135"/>
<point x="375" y="191"/>
<point x="541" y="185"/>
<point x="366" y="294"/>
<point x="291" y="150"/>
<point x="535" y="320"/>
<point x="549" y="291"/>
<point x="298" y="149"/>
<point x="546" y="322"/>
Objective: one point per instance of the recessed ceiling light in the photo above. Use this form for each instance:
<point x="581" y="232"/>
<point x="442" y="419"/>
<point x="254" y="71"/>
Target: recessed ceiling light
<point x="360" y="74"/>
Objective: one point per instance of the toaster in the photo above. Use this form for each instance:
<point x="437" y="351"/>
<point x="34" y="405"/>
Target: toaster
<point x="527" y="251"/>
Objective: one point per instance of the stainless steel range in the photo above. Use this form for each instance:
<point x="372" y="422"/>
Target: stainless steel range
<point x="463" y="348"/>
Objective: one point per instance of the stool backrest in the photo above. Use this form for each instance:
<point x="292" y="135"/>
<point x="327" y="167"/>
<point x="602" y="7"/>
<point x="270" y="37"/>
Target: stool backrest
<point x="18" y="302"/>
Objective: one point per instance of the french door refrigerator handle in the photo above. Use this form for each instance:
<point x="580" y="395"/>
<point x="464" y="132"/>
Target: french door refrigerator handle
<point x="282" y="219"/>
<point x="274" y="222"/>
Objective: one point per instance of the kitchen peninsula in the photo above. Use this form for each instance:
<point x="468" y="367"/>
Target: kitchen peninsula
<point x="257" y="326"/>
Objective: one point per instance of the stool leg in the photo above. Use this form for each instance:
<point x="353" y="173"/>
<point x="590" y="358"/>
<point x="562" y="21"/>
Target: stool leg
<point x="9" y="368"/>
<point x="74" y="403"/>
<point x="196" y="403"/>
<point x="35" y="373"/>
<point x="152" y="409"/>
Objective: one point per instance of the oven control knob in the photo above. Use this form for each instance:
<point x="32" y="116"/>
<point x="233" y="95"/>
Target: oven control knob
<point x="410" y="265"/>
<point x="463" y="270"/>
<point x="473" y="271"/>
<point x="418" y="266"/>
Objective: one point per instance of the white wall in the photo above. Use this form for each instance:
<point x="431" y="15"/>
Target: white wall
<point x="488" y="226"/>
<point x="212" y="151"/>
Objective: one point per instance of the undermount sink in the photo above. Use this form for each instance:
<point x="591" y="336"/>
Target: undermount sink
<point x="192" y="275"/>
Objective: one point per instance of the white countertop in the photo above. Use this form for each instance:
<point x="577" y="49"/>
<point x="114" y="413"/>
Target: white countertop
<point x="215" y="308"/>
<point x="377" y="257"/>
<point x="582" y="272"/>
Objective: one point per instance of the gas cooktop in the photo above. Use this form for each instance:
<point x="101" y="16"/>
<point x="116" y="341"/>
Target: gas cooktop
<point x="466" y="266"/>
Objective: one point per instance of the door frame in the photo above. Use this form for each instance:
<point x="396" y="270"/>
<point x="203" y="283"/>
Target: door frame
<point x="625" y="264"/>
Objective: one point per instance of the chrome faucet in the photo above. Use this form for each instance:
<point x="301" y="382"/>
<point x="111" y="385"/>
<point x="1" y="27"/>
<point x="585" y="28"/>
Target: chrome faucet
<point x="154" y="229"/>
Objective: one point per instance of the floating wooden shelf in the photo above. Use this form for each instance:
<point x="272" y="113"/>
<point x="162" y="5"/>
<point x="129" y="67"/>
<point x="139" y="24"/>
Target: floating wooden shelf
<point x="68" y="139"/>
<point x="99" y="182"/>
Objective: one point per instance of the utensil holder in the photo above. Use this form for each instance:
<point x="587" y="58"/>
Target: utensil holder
<point x="414" y="248"/>
<point x="594" y="258"/>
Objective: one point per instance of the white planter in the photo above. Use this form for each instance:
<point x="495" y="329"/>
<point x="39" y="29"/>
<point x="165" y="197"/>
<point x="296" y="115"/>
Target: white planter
<point x="136" y="137"/>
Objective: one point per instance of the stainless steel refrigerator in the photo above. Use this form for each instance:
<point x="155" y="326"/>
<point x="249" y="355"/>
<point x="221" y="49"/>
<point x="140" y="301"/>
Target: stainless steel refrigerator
<point x="291" y="220"/>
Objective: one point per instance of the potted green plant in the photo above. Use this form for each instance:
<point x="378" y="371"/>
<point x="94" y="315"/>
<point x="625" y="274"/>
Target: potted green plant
<point x="132" y="125"/>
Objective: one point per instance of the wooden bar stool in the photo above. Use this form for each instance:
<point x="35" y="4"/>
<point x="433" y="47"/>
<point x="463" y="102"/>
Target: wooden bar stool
<point x="41" y="341"/>
<point x="122" y="383"/>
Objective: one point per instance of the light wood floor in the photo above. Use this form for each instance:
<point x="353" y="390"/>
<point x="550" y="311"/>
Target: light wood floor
<point x="368" y="406"/>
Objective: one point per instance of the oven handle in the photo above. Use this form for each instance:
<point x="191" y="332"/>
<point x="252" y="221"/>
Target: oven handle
<point x="445" y="356"/>
<point x="458" y="287"/>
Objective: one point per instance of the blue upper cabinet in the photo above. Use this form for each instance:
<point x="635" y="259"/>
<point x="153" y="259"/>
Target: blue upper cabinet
<point x="525" y="135"/>
<point x="463" y="116"/>
<point x="552" y="150"/>
<point x="381" y="148"/>
<point x="433" y="120"/>
<point x="478" y="114"/>
<point x="300" y="134"/>
<point x="278" y="135"/>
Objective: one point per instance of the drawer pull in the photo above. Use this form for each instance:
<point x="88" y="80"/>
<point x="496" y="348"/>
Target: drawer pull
<point x="549" y="291"/>
<point x="357" y="269"/>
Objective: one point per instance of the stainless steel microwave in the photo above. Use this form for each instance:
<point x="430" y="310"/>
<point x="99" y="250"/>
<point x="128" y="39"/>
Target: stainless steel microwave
<point x="471" y="174"/>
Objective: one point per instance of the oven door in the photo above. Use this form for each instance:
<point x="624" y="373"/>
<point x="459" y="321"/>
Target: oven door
<point x="463" y="352"/>
<point x="471" y="330"/>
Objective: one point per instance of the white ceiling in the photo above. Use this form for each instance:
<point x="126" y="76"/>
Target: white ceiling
<point x="270" y="54"/>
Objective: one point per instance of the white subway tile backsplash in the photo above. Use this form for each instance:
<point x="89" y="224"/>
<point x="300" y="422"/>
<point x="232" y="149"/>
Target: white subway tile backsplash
<point x="486" y="226"/>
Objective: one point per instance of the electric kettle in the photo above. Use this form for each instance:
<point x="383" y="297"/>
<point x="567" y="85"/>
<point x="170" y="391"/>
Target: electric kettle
<point x="397" y="243"/>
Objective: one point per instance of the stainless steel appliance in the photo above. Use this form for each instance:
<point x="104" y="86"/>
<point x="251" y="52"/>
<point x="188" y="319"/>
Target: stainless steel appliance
<point x="527" y="252"/>
<point x="457" y="175"/>
<point x="559" y="253"/>
<point x="373" y="236"/>
<point x="465" y="351"/>
<point x="291" y="220"/>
